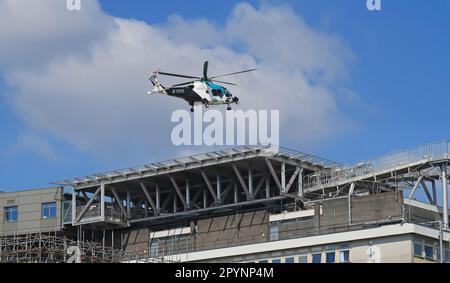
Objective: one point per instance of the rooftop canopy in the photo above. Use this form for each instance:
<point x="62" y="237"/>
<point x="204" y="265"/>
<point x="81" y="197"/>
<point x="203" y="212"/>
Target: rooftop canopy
<point x="198" y="161"/>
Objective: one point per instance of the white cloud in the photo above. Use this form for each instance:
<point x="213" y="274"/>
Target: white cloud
<point x="98" y="102"/>
<point x="36" y="32"/>
<point x="34" y="144"/>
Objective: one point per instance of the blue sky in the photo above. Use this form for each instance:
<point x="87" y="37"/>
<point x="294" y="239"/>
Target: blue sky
<point x="398" y="75"/>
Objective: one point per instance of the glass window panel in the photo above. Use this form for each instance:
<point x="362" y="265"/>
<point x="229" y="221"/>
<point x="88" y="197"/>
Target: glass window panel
<point x="303" y="259"/>
<point x="418" y="248"/>
<point x="154" y="248"/>
<point x="447" y="255"/>
<point x="316" y="258"/>
<point x="344" y="256"/>
<point x="289" y="259"/>
<point x="274" y="231"/>
<point x="11" y="214"/>
<point x="429" y="252"/>
<point x="330" y="257"/>
<point x="49" y="210"/>
<point x="276" y="260"/>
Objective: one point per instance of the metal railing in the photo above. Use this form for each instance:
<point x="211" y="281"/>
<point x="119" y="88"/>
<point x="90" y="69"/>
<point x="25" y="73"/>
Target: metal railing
<point x="330" y="177"/>
<point x="66" y="212"/>
<point x="112" y="213"/>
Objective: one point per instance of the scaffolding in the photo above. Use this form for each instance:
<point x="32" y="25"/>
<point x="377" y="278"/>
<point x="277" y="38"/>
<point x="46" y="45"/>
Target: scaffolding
<point x="50" y="248"/>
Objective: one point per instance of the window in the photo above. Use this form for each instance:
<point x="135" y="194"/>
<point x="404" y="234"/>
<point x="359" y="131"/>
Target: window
<point x="317" y="258"/>
<point x="274" y="231"/>
<point x="330" y="257"/>
<point x="217" y="92"/>
<point x="418" y="249"/>
<point x="344" y="256"/>
<point x="263" y="261"/>
<point x="429" y="252"/>
<point x="447" y="256"/>
<point x="49" y="210"/>
<point x="154" y="248"/>
<point x="289" y="259"/>
<point x="303" y="259"/>
<point x="276" y="260"/>
<point x="11" y="214"/>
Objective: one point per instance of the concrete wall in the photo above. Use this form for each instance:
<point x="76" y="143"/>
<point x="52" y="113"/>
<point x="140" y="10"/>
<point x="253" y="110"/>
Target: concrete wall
<point x="392" y="249"/>
<point x="211" y="233"/>
<point x="332" y="215"/>
<point x="396" y="249"/>
<point x="136" y="240"/>
<point x="29" y="205"/>
<point x="238" y="229"/>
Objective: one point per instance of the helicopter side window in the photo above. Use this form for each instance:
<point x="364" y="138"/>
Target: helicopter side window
<point x="217" y="92"/>
<point x="191" y="87"/>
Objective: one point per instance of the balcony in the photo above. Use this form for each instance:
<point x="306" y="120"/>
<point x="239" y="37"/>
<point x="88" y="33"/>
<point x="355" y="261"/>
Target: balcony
<point x="93" y="214"/>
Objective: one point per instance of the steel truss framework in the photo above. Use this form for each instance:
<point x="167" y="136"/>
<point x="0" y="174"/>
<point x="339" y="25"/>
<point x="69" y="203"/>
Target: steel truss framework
<point x="196" y="185"/>
<point x="49" y="248"/>
<point x="250" y="177"/>
<point x="421" y="168"/>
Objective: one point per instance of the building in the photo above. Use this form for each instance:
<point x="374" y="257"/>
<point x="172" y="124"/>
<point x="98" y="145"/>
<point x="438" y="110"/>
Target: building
<point x="31" y="211"/>
<point x="258" y="204"/>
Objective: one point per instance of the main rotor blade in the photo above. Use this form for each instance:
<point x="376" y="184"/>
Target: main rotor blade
<point x="224" y="83"/>
<point x="231" y="74"/>
<point x="177" y="75"/>
<point x="205" y="69"/>
<point x="186" y="83"/>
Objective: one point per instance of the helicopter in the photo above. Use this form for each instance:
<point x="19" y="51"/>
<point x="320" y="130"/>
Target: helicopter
<point x="200" y="90"/>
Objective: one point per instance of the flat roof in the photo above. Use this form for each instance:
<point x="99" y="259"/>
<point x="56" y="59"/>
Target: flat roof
<point x="199" y="160"/>
<point x="30" y="190"/>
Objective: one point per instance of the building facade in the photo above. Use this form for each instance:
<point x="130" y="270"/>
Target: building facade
<point x="250" y="204"/>
<point x="31" y="211"/>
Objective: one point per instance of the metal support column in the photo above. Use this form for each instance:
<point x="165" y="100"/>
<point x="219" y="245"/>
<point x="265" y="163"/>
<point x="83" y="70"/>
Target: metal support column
<point x="267" y="185"/>
<point x="218" y="189"/>
<point x="441" y="242"/>
<point x="444" y="195"/>
<point x="103" y="242"/>
<point x="434" y="191"/>
<point x="205" y="199"/>
<point x="250" y="180"/>
<point x="112" y="241"/>
<point x="158" y="200"/>
<point x="413" y="191"/>
<point x="352" y="188"/>
<point x="102" y="201"/>
<point x="175" y="203"/>
<point x="300" y="183"/>
<point x="283" y="176"/>
<point x="119" y="202"/>
<point x="188" y="194"/>
<point x="128" y="204"/>
<point x="74" y="206"/>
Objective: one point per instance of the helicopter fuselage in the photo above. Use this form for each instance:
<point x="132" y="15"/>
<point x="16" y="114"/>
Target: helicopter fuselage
<point x="202" y="92"/>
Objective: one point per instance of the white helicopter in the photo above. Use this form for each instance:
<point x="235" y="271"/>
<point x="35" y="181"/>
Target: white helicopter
<point x="201" y="90"/>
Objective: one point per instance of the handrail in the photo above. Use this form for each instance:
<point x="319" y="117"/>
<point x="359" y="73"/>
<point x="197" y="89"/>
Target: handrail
<point x="330" y="177"/>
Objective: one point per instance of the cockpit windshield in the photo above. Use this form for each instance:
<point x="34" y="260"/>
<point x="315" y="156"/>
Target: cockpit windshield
<point x="216" y="90"/>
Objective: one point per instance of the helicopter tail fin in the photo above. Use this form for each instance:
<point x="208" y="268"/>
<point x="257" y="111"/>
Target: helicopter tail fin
<point x="158" y="88"/>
